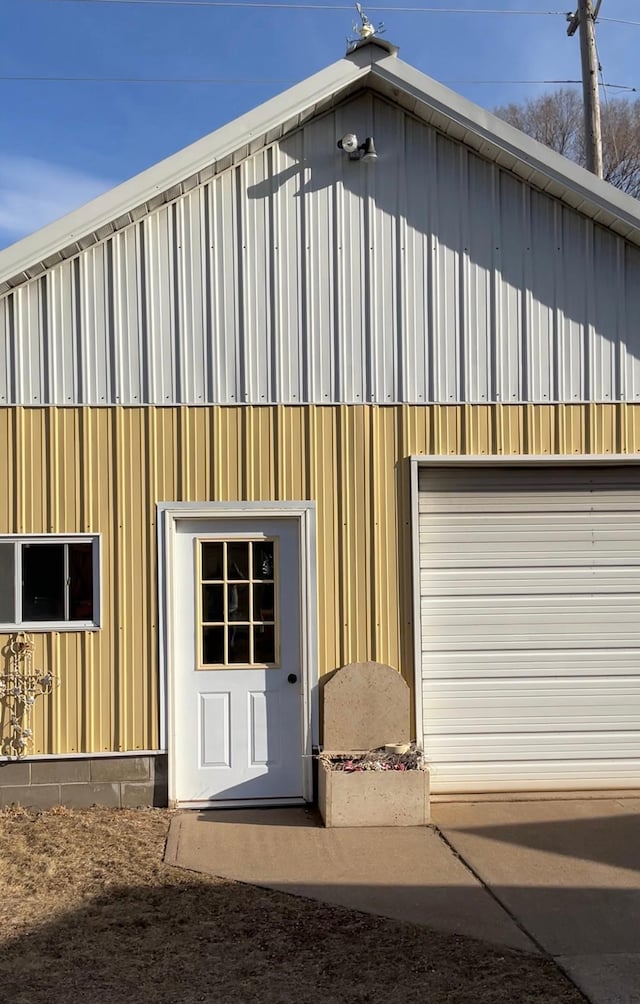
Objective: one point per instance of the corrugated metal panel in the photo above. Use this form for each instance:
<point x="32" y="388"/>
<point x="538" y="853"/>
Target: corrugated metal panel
<point x="103" y="470"/>
<point x="530" y="628"/>
<point x="300" y="276"/>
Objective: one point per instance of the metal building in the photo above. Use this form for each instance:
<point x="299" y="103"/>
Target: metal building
<point x="272" y="407"/>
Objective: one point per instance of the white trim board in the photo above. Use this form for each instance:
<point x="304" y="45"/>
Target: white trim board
<point x="415" y="578"/>
<point x="249" y="803"/>
<point x="539" y="459"/>
<point x="195" y="405"/>
<point x="102" y="754"/>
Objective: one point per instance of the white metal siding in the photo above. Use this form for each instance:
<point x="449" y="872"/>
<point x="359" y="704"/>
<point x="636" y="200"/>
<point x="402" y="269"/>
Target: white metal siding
<point x="530" y="627"/>
<point x="300" y="276"/>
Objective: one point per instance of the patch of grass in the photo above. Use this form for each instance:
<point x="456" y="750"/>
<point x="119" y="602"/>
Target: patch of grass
<point x="91" y="914"/>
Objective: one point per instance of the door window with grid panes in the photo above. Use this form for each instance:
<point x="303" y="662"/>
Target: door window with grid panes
<point x="237" y="616"/>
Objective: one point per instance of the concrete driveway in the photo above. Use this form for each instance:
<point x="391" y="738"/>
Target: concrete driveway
<point x="568" y="872"/>
<point x="561" y="878"/>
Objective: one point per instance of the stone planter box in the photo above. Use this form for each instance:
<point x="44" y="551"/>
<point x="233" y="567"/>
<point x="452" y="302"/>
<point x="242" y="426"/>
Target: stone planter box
<point x="373" y="798"/>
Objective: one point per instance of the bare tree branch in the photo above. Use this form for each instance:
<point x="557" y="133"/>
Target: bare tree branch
<point x="556" y="119"/>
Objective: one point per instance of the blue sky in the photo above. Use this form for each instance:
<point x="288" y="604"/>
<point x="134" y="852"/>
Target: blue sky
<point x="64" y="142"/>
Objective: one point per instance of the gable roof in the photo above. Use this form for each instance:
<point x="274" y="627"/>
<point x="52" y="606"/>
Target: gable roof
<point x="373" y="64"/>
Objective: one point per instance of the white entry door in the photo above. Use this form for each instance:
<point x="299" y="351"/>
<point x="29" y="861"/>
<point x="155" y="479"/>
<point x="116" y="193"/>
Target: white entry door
<point x="237" y="673"/>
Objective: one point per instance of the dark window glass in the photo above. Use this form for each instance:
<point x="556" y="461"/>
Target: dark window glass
<point x="238" y="560"/>
<point x="212" y="646"/>
<point x="213" y="603"/>
<point x="238" y="600"/>
<point x="263" y="560"/>
<point x="43" y="585"/>
<point x="264" y="643"/>
<point x="263" y="602"/>
<point x="212" y="560"/>
<point x="239" y="645"/>
<point x="80" y="582"/>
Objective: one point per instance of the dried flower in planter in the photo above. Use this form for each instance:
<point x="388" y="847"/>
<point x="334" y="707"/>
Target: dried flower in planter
<point x="378" y="759"/>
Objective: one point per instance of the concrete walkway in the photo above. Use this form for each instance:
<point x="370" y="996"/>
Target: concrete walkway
<point x="557" y="877"/>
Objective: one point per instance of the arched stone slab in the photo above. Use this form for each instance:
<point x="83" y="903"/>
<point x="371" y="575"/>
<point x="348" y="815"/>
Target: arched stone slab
<point x="366" y="704"/>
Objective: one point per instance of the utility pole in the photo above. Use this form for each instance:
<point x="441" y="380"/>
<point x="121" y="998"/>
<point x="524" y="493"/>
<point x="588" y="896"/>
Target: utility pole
<point x="585" y="19"/>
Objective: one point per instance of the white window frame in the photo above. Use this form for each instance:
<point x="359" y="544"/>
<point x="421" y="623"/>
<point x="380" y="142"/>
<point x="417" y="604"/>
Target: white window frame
<point x="35" y="627"/>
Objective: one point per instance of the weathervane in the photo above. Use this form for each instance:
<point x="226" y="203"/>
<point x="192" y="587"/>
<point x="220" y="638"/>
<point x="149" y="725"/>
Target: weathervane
<point x="364" y="30"/>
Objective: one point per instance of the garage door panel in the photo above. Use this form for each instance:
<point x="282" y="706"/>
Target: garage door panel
<point x="492" y="664"/>
<point x="532" y="705"/>
<point x="449" y="490"/>
<point x="516" y="775"/>
<point x="532" y="747"/>
<point x="515" y="622"/>
<point x="477" y="503"/>
<point x="498" y="553"/>
<point x="530" y="627"/>
<point x="520" y="477"/>
<point x="583" y="525"/>
<point x="528" y="581"/>
<point x="499" y="541"/>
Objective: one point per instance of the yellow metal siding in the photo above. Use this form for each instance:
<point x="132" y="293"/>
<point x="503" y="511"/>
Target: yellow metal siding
<point x="103" y="470"/>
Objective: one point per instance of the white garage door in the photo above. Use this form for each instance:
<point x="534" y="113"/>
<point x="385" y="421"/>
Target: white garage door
<point x="530" y="627"/>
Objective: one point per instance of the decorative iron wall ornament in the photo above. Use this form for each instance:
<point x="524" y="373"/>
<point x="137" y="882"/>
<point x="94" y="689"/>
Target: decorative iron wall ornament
<point x="20" y="686"/>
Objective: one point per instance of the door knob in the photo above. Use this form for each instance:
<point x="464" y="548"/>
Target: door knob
<point x="292" y="678"/>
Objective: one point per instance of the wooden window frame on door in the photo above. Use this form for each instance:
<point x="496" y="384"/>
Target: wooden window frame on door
<point x="227" y="623"/>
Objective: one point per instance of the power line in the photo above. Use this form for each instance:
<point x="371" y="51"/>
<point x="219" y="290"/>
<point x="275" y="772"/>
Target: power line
<point x="273" y="4"/>
<point x="144" y="80"/>
<point x="232" y="81"/>
<point x="619" y="20"/>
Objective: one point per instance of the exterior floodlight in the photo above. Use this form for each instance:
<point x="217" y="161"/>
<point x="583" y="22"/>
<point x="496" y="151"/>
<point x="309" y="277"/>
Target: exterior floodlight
<point x="369" y="149"/>
<point x="358" y="151"/>
<point x="349" y="143"/>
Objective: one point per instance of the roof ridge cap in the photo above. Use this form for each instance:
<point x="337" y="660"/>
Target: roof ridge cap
<point x="373" y="43"/>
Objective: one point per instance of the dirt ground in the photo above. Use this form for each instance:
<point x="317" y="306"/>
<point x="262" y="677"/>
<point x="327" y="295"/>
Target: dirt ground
<point x="91" y="914"/>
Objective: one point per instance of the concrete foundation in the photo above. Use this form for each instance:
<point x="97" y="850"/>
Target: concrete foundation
<point x="80" y="782"/>
<point x="373" y="798"/>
